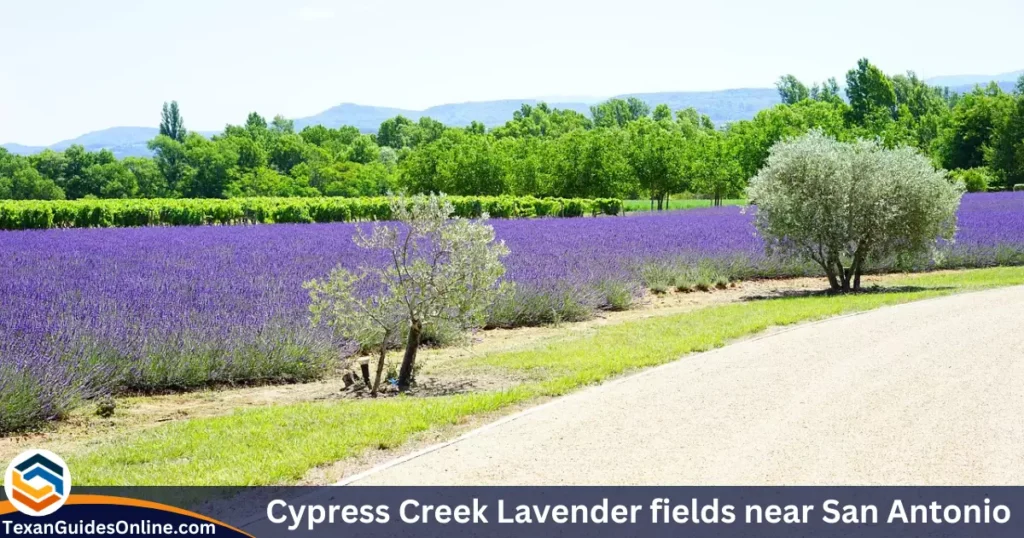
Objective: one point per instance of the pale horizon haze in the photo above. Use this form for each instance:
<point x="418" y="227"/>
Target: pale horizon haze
<point x="72" y="67"/>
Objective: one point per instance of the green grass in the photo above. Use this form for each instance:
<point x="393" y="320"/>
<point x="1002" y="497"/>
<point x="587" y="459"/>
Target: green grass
<point x="645" y="205"/>
<point x="279" y="444"/>
<point x="273" y="444"/>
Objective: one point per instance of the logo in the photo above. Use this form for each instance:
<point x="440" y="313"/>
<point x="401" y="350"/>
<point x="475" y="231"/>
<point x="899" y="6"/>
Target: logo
<point x="37" y="482"/>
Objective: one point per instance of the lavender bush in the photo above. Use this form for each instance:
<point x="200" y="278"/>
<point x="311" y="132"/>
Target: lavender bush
<point x="40" y="381"/>
<point x="90" y="311"/>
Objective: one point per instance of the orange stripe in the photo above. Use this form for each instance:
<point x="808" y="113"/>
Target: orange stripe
<point x="25" y="487"/>
<point x="7" y="508"/>
<point x="38" y="506"/>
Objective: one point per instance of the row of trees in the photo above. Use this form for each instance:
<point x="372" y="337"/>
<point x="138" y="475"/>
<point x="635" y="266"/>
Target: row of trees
<point x="622" y="149"/>
<point x="979" y="135"/>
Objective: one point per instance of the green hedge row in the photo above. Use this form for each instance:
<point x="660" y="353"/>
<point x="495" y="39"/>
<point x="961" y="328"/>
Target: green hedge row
<point x="34" y="214"/>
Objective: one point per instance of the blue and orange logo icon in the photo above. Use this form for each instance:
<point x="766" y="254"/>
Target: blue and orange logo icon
<point x="37" y="482"/>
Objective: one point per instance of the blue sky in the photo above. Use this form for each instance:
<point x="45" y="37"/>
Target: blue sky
<point x="69" y="67"/>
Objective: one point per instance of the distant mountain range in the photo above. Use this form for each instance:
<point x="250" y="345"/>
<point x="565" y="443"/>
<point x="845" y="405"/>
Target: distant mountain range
<point x="723" y="106"/>
<point x="122" y="141"/>
<point x="969" y="81"/>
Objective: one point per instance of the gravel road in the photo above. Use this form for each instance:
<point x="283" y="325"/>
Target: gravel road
<point x="930" y="392"/>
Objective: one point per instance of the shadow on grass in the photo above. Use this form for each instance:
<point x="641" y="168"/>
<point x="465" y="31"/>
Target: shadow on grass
<point x="830" y="293"/>
<point x="446" y="387"/>
<point x="431" y="386"/>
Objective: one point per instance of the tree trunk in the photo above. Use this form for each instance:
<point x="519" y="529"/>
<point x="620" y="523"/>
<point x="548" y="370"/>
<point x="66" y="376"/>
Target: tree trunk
<point x="834" y="272"/>
<point x="830" y="274"/>
<point x="857" y="268"/>
<point x="380" y="366"/>
<point x="833" y="281"/>
<point x="846" y="275"/>
<point x="409" y="360"/>
<point x="364" y="368"/>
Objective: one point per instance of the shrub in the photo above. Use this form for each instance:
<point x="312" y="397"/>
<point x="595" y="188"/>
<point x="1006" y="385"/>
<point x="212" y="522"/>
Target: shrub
<point x="845" y="205"/>
<point x="617" y="295"/>
<point x="540" y="305"/>
<point x="503" y="207"/>
<point x="25" y="402"/>
<point x="292" y="214"/>
<point x="574" y="208"/>
<point x="609" y="206"/>
<point x="660" y="275"/>
<point x="973" y="179"/>
<point x="705" y="276"/>
<point x="546" y="207"/>
<point x="1018" y="187"/>
<point x="35" y="388"/>
<point x="686" y="275"/>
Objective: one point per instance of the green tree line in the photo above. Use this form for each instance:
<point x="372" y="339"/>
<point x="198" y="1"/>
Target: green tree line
<point x="41" y="214"/>
<point x="622" y="149"/>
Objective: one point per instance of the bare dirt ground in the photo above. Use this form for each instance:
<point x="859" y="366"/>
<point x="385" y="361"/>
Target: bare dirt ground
<point x="84" y="428"/>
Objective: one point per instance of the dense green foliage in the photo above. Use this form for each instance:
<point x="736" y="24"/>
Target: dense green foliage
<point x="37" y="214"/>
<point x="621" y="149"/>
<point x="974" y="179"/>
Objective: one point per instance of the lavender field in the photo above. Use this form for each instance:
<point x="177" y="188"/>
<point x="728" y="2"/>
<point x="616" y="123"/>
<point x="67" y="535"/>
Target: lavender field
<point x="90" y="311"/>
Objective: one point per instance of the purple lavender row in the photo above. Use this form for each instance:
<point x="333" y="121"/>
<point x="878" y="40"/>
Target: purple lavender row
<point x="86" y="311"/>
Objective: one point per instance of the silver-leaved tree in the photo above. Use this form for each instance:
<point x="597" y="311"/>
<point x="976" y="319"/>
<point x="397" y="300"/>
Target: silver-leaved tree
<point x="438" y="273"/>
<point x="846" y="205"/>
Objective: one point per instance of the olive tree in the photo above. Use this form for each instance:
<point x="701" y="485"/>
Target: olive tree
<point x="438" y="272"/>
<point x="845" y="205"/>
